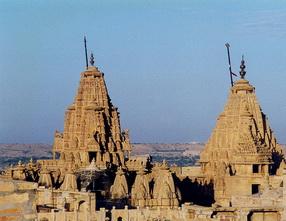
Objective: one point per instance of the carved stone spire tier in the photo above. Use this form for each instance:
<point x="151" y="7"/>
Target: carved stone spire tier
<point x="92" y="126"/>
<point x="140" y="193"/>
<point x="165" y="193"/>
<point x="45" y="178"/>
<point x="69" y="183"/>
<point x="119" y="189"/>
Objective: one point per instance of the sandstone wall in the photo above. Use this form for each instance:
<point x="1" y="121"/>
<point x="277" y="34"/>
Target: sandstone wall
<point x="17" y="200"/>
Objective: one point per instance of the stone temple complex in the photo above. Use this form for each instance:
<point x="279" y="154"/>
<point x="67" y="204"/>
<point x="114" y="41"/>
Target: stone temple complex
<point x="93" y="177"/>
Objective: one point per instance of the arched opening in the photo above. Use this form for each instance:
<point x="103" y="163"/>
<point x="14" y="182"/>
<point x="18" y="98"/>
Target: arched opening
<point x="67" y="206"/>
<point x="82" y="206"/>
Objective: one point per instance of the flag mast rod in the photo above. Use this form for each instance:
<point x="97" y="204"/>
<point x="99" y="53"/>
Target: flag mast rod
<point x="229" y="62"/>
<point x="85" y="48"/>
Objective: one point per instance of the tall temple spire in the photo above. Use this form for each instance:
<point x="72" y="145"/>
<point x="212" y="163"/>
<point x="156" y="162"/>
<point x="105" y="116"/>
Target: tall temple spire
<point x="242" y="68"/>
<point x="92" y="125"/>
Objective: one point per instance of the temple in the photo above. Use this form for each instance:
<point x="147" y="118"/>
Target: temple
<point x="242" y="154"/>
<point x="92" y="126"/>
<point x="92" y="176"/>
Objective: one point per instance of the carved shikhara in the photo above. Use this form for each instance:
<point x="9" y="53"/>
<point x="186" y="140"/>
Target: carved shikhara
<point x="92" y="126"/>
<point x="242" y="139"/>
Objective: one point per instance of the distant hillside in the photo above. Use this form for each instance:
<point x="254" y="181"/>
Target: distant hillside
<point x="186" y="154"/>
<point x="25" y="150"/>
<point x="12" y="153"/>
<point x="179" y="153"/>
<point x="45" y="150"/>
<point x="161" y="149"/>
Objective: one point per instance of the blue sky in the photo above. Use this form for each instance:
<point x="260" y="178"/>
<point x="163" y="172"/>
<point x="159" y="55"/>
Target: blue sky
<point x="164" y="61"/>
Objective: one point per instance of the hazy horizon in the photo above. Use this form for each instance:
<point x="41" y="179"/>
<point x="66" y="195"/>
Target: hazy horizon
<point x="165" y="63"/>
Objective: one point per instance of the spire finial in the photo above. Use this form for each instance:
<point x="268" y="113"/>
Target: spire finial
<point x="242" y="68"/>
<point x="91" y="61"/>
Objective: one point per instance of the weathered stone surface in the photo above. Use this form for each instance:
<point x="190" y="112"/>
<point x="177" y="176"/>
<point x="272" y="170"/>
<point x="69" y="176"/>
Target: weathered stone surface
<point x="18" y="204"/>
<point x="7" y="186"/>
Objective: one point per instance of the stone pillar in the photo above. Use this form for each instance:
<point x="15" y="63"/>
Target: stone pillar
<point x="53" y="215"/>
<point x="113" y="213"/>
<point x="76" y="213"/>
<point x="243" y="215"/>
<point x="126" y="213"/>
<point x="92" y="203"/>
<point x="102" y="215"/>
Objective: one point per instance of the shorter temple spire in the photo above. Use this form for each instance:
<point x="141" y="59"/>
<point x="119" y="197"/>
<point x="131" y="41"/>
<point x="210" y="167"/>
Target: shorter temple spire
<point x="242" y="68"/>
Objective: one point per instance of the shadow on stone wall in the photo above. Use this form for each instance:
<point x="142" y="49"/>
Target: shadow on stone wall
<point x="197" y="192"/>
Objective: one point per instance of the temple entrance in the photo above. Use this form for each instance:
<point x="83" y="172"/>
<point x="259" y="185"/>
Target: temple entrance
<point x="91" y="155"/>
